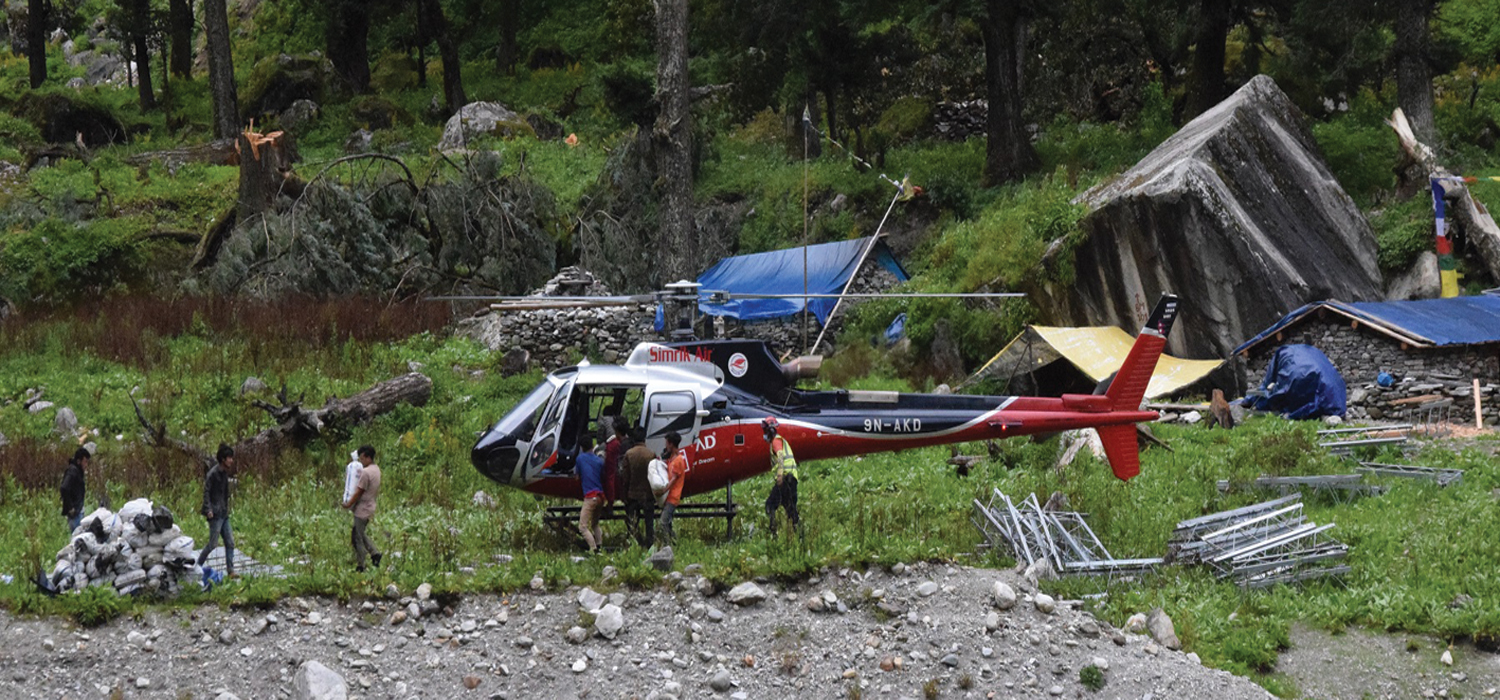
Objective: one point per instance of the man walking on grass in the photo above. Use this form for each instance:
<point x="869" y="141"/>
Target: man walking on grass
<point x="362" y="502"/>
<point x="216" y="507"/>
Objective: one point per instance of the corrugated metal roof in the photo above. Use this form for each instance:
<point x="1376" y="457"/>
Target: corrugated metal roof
<point x="1420" y="323"/>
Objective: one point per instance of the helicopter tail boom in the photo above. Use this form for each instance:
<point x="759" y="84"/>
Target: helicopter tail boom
<point x="1129" y="388"/>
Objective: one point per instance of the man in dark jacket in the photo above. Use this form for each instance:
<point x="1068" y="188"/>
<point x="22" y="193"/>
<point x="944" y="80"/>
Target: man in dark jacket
<point x="636" y="488"/>
<point x="72" y="488"/>
<point x="216" y="507"/>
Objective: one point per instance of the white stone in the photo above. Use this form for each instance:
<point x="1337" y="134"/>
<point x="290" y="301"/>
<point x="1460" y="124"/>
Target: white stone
<point x="927" y="588"/>
<point x="1136" y="624"/>
<point x="1045" y="603"/>
<point x="1447" y="658"/>
<point x="424" y="591"/>
<point x="1005" y="596"/>
<point x="1101" y="663"/>
<point x="590" y="600"/>
<point x="581" y="665"/>
<point x="314" y="681"/>
<point x="609" y="621"/>
<point x="746" y="593"/>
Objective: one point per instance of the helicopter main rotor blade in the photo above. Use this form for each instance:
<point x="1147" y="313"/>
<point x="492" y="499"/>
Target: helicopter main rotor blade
<point x="876" y="295"/>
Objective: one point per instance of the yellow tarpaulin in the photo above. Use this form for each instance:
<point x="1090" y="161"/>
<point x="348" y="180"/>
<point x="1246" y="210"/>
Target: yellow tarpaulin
<point x="1097" y="352"/>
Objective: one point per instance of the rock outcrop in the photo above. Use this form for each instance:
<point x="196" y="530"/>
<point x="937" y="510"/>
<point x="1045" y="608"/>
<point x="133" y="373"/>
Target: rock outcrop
<point x="1237" y="213"/>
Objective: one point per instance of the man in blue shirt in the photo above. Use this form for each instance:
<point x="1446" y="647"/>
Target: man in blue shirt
<point x="591" y="473"/>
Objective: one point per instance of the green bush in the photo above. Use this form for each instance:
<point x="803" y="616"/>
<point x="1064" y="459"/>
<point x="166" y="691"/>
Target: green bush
<point x="1359" y="148"/>
<point x="1091" y="677"/>
<point x="1403" y="232"/>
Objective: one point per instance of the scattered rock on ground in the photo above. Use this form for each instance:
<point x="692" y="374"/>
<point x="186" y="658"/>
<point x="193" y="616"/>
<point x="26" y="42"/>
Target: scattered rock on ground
<point x="315" y="681"/>
<point x="745" y="594"/>
<point x="1162" y="630"/>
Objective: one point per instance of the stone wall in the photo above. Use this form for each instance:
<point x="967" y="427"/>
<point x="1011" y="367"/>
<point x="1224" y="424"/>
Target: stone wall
<point x="556" y="339"/>
<point x="1361" y="354"/>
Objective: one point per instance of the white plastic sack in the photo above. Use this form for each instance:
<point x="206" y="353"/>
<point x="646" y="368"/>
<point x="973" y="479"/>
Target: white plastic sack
<point x="102" y="514"/>
<point x="658" y="477"/>
<point x="165" y="537"/>
<point x="130" y="510"/>
<point x="130" y="578"/>
<point x="180" y="548"/>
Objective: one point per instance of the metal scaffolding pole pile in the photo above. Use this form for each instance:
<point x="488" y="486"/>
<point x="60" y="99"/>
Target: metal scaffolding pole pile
<point x="1342" y="440"/>
<point x="1442" y="477"/>
<point x="1063" y="538"/>
<point x="1260" y="545"/>
<point x="1342" y="487"/>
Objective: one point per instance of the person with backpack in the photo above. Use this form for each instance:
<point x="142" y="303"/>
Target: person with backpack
<point x="677" y="469"/>
<point x="784" y="469"/>
<point x="216" y="507"/>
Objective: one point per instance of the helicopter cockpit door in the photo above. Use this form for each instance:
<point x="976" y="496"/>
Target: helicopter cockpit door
<point x="671" y="411"/>
<point x="548" y="433"/>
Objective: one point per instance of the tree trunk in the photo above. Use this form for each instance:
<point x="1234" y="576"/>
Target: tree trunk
<point x="507" y="52"/>
<point x="140" y="32"/>
<point x="1208" y="56"/>
<point x="221" y="70"/>
<point x="297" y="427"/>
<point x="36" y="41"/>
<point x="453" y="77"/>
<point x="1413" y="67"/>
<point x="347" y="34"/>
<point x="1009" y="154"/>
<point x="180" y="21"/>
<point x="264" y="164"/>
<point x="672" y="137"/>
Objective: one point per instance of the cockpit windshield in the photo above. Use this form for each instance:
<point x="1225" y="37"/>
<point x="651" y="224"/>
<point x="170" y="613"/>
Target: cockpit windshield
<point x="524" y="418"/>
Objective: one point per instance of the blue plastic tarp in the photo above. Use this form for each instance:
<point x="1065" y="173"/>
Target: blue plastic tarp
<point x="829" y="266"/>
<point x="1432" y="322"/>
<point x="1301" y="383"/>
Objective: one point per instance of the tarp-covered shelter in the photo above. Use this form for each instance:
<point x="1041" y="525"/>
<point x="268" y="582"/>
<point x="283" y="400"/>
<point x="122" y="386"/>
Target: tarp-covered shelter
<point x="1422" y="323"/>
<point x="1300" y="383"/>
<point x="1096" y="352"/>
<point x="829" y="266"/>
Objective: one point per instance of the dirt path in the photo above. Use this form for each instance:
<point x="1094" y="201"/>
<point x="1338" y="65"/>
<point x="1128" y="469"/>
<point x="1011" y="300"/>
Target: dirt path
<point x="884" y="634"/>
<point x="1361" y="664"/>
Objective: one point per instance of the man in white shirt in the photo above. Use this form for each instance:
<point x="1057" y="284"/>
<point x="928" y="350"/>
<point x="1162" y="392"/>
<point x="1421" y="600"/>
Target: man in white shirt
<point x="360" y="458"/>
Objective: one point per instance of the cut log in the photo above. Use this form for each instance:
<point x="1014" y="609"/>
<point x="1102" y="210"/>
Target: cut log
<point x="296" y="427"/>
<point x="221" y="152"/>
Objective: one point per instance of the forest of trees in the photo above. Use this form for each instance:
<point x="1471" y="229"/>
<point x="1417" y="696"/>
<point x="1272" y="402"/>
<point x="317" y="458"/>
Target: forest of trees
<point x="660" y="84"/>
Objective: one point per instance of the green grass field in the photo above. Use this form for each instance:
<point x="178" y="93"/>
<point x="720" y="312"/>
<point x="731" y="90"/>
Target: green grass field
<point x="1413" y="550"/>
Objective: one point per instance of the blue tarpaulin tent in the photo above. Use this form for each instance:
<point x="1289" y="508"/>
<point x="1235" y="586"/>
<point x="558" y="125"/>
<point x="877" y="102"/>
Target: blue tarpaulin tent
<point x="829" y="267"/>
<point x="1422" y="323"/>
<point x="1300" y="383"/>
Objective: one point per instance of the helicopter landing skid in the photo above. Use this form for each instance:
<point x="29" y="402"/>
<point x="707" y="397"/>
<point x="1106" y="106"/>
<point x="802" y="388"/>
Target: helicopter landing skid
<point x="564" y="519"/>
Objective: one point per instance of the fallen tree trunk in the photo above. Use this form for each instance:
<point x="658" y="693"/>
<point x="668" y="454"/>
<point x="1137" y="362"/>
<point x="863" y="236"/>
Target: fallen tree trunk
<point x="1468" y="214"/>
<point x="296" y="426"/>
<point x="221" y="152"/>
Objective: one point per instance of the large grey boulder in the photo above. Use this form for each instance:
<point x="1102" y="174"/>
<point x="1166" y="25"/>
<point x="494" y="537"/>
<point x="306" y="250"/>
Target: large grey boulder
<point x="478" y="118"/>
<point x="1236" y="213"/>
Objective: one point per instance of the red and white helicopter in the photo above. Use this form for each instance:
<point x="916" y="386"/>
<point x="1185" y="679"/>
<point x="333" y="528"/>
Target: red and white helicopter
<point x="716" y="393"/>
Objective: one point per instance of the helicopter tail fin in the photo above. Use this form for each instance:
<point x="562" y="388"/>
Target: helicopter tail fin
<point x="1121" y="450"/>
<point x="1129" y="385"/>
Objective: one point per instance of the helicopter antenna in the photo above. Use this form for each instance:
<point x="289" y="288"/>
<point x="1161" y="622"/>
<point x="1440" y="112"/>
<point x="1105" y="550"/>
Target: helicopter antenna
<point x="900" y="192"/>
<point x="806" y="303"/>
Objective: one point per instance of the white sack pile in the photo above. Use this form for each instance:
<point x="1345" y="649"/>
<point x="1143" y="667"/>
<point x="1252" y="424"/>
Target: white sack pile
<point x="137" y="550"/>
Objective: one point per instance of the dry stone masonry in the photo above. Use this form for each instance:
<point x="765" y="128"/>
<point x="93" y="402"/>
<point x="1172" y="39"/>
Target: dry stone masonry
<point x="1446" y="373"/>
<point x="551" y="339"/>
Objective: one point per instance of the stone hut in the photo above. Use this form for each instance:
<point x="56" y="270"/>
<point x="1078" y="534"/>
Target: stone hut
<point x="1433" y="349"/>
